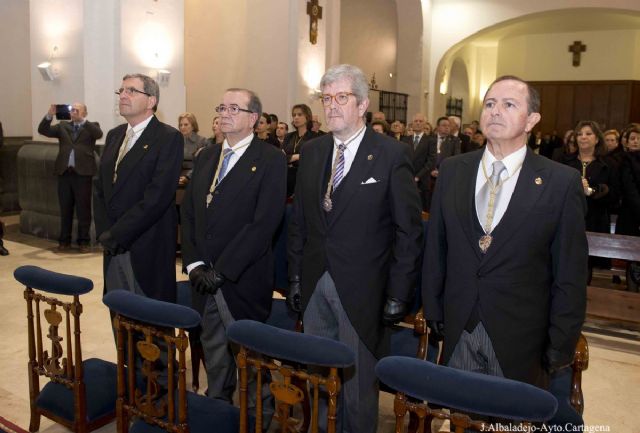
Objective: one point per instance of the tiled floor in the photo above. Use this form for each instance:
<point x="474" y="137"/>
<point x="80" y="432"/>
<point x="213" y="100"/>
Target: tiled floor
<point x="611" y="384"/>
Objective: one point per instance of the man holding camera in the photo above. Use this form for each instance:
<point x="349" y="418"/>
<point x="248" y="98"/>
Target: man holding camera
<point x="75" y="166"/>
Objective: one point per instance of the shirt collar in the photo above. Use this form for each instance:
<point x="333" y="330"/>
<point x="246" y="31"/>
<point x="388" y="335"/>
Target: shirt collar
<point x="240" y="147"/>
<point x="140" y="126"/>
<point x="512" y="162"/>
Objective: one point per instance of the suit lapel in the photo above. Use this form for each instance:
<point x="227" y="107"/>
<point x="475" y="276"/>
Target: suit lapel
<point x="365" y="158"/>
<point x="524" y="198"/>
<point x="202" y="182"/>
<point x="465" y="180"/>
<point x="139" y="149"/>
<point x="324" y="153"/>
<point x="110" y="156"/>
<point x="248" y="166"/>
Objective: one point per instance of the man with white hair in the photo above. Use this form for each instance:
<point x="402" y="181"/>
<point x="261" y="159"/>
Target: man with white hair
<point x="354" y="239"/>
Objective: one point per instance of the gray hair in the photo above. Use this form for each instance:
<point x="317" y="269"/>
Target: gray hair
<point x="149" y="86"/>
<point x="359" y="85"/>
<point x="254" y="105"/>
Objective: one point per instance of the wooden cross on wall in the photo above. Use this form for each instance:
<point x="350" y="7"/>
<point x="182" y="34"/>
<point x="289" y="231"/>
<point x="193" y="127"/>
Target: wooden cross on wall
<point x="315" y="13"/>
<point x="577" y="48"/>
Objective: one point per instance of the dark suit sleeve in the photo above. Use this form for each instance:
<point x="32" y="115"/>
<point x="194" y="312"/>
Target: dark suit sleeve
<point x="99" y="206"/>
<point x="569" y="251"/>
<point x="434" y="267"/>
<point x="630" y="190"/>
<point x="251" y="242"/>
<point x="158" y="195"/>
<point x="187" y="224"/>
<point x="94" y="129"/>
<point x="296" y="232"/>
<point x="45" y="128"/>
<point x="406" y="213"/>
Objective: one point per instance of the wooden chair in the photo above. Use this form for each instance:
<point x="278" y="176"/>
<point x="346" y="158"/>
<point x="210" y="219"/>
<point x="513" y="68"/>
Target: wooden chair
<point x="266" y="348"/>
<point x="463" y="392"/>
<point x="143" y="400"/>
<point x="79" y="394"/>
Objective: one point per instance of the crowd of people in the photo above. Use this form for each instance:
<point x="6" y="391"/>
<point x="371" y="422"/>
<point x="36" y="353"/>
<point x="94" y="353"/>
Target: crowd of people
<point x="357" y="194"/>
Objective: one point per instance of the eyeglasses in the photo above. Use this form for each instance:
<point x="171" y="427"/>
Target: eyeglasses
<point x="232" y="109"/>
<point x="130" y="91"/>
<point x="341" y="98"/>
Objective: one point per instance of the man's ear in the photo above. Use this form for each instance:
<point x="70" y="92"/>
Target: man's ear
<point x="532" y="120"/>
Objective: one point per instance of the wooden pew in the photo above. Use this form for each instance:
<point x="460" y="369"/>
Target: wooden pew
<point x="603" y="303"/>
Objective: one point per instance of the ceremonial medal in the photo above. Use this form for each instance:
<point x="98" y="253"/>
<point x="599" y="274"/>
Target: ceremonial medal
<point x="485" y="242"/>
<point x="326" y="204"/>
<point x="209" y="198"/>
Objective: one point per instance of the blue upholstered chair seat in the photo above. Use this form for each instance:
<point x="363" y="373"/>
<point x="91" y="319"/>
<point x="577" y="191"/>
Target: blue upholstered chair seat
<point x="204" y="414"/>
<point x="293" y="346"/>
<point x="100" y="383"/>
<point x="466" y="391"/>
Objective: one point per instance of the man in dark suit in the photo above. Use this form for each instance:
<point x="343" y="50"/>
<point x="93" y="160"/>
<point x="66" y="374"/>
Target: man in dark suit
<point x="465" y="140"/>
<point x="230" y="212"/>
<point x="418" y="144"/>
<point x="441" y="145"/>
<point x="505" y="270"/>
<point x="354" y="238"/>
<point x="134" y="196"/>
<point x="75" y="166"/>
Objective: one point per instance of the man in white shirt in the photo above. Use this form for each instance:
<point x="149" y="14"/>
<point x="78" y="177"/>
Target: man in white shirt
<point x="505" y="269"/>
<point x="134" y="195"/>
<point x="230" y="213"/>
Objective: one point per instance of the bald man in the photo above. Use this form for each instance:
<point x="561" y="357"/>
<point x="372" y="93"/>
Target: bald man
<point x="75" y="166"/>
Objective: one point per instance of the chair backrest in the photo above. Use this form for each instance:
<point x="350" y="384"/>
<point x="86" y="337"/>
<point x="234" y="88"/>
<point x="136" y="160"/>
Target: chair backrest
<point x="145" y="328"/>
<point x="56" y="352"/>
<point x="462" y="391"/>
<point x="267" y="348"/>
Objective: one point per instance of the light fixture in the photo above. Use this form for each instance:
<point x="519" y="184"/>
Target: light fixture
<point x="163" y="76"/>
<point x="46" y="70"/>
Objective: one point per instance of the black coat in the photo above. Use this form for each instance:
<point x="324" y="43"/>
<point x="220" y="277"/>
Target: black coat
<point x="530" y="285"/>
<point x="629" y="213"/>
<point x="603" y="178"/>
<point x="372" y="239"/>
<point x="235" y="233"/>
<point x="139" y="208"/>
<point x="84" y="145"/>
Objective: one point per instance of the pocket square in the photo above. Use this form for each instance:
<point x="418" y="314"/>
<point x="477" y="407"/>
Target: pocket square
<point x="369" y="181"/>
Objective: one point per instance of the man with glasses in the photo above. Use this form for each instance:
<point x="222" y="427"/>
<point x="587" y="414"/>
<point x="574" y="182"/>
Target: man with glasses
<point x="354" y="239"/>
<point x="230" y="212"/>
<point x="134" y="196"/>
<point x="75" y="166"/>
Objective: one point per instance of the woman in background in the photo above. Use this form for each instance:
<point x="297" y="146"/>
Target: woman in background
<point x="302" y="121"/>
<point x="193" y="142"/>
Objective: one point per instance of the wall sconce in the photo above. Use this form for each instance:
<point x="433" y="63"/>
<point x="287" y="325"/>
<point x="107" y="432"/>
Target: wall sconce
<point x="46" y="70"/>
<point x="163" y="76"/>
<point x="443" y="87"/>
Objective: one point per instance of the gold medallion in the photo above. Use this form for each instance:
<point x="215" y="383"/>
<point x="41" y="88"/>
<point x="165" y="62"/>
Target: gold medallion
<point x="485" y="242"/>
<point x="326" y="204"/>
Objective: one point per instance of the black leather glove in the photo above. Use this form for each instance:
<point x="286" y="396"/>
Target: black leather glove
<point x="394" y="311"/>
<point x="206" y="280"/>
<point x="110" y="244"/>
<point x="437" y="329"/>
<point x="553" y="361"/>
<point x="294" y="296"/>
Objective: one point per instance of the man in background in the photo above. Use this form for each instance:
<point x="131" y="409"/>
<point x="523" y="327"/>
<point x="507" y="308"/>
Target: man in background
<point x="75" y="166"/>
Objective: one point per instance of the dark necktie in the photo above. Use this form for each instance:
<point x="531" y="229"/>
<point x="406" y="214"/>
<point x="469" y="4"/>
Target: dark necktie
<point x="76" y="130"/>
<point x="416" y="141"/>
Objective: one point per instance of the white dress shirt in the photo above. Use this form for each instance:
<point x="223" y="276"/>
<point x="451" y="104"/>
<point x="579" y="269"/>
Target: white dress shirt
<point x="137" y="131"/>
<point x="351" y="150"/>
<point x="512" y="163"/>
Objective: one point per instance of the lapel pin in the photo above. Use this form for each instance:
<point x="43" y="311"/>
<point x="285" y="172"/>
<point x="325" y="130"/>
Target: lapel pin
<point x="538" y="181"/>
<point x="370" y="157"/>
<point x="145" y="147"/>
<point x="253" y="168"/>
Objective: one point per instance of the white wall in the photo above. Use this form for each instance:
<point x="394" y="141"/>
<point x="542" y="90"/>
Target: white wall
<point x="369" y="39"/>
<point x="451" y="21"/>
<point x="610" y="55"/>
<point x="15" y="76"/>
